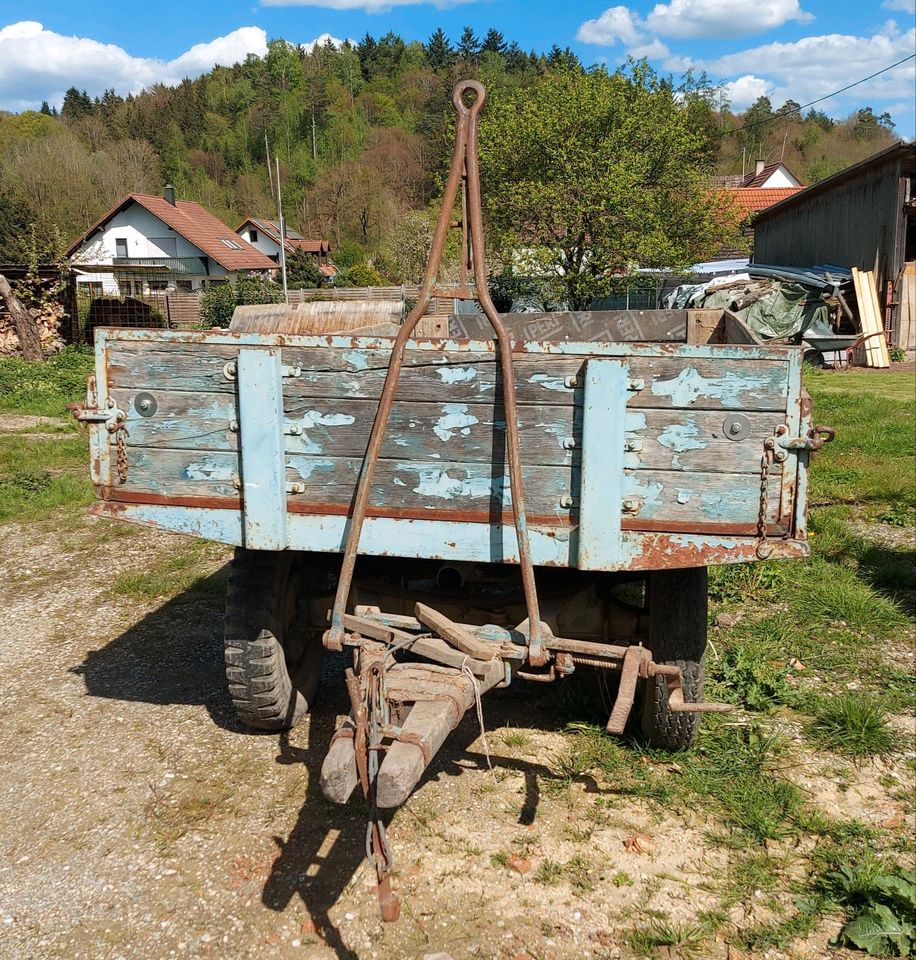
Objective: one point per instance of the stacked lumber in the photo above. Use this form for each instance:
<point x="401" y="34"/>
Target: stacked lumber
<point x="875" y="344"/>
<point x="908" y="307"/>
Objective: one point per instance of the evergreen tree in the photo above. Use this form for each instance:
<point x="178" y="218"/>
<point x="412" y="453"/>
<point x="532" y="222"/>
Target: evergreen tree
<point x="45" y="109"/>
<point x="563" y="59"/>
<point x="494" y="42"/>
<point x="366" y="51"/>
<point x="439" y="51"/>
<point x="468" y="45"/>
<point x="516" y="58"/>
<point x="77" y="103"/>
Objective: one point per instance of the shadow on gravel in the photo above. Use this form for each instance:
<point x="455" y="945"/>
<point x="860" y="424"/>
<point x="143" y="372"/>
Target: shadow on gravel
<point x="327" y="844"/>
<point x="173" y="655"/>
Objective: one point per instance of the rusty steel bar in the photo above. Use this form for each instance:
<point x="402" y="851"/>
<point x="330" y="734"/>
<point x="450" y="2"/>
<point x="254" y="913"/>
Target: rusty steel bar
<point x="464" y="166"/>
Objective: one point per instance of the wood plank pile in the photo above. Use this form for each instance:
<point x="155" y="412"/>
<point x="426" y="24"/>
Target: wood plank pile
<point x="874" y="344"/>
<point x="907" y="339"/>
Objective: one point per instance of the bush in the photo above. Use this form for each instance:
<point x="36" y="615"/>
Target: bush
<point x="359" y="275"/>
<point x="220" y="300"/>
<point x="302" y="272"/>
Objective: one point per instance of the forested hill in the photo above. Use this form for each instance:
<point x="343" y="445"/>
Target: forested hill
<point x="361" y="133"/>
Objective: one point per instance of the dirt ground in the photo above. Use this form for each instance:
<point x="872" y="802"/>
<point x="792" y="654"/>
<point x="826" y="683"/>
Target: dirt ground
<point x="138" y="820"/>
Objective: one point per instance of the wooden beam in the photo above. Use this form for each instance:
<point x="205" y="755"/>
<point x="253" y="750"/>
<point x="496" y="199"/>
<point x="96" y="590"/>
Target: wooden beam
<point x="455" y="634"/>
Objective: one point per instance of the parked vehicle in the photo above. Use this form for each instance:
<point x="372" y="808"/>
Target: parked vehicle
<point x="469" y="511"/>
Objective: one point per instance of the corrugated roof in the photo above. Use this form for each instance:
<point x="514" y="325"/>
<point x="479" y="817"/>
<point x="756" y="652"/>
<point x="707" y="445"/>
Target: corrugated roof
<point x="198" y="226"/>
<point x="752" y="199"/>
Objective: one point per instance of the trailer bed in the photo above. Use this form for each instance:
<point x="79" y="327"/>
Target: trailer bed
<point x="636" y="456"/>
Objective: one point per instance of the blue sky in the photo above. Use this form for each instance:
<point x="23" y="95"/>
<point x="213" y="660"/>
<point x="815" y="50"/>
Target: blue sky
<point x="799" y="49"/>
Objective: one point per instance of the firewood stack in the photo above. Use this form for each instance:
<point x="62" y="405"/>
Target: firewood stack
<point x="46" y="319"/>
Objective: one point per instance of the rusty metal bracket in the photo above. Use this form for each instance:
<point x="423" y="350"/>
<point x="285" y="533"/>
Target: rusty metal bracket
<point x="464" y="173"/>
<point x="813" y="440"/>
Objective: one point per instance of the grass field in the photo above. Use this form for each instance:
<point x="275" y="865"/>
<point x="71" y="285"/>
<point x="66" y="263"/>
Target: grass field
<point x="817" y="656"/>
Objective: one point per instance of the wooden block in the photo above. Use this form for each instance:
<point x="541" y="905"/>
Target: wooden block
<point x="338" y="772"/>
<point x="454" y="634"/>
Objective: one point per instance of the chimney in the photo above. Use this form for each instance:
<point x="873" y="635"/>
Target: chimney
<point x="758" y="169"/>
<point x="169" y="194"/>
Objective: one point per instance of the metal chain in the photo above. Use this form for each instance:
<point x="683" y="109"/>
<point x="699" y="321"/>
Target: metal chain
<point x="764" y="549"/>
<point x="119" y="429"/>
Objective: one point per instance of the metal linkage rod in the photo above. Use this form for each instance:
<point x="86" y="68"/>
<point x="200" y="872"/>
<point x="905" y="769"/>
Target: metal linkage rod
<point x="465" y="168"/>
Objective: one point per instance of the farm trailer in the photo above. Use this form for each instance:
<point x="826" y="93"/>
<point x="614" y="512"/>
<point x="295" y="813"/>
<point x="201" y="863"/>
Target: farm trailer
<point x="455" y="513"/>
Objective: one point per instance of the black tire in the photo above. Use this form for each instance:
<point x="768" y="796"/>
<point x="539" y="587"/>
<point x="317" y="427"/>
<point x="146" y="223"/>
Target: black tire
<point x="678" y="603"/>
<point x="273" y="654"/>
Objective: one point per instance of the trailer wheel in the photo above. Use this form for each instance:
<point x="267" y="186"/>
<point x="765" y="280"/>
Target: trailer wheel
<point x="678" y="603"/>
<point x="273" y="658"/>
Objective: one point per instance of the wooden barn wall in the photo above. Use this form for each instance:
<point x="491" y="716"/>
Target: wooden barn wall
<point x="856" y="223"/>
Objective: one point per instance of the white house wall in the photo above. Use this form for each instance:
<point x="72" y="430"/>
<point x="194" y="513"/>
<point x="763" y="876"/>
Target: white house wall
<point x="268" y="247"/>
<point x="140" y="228"/>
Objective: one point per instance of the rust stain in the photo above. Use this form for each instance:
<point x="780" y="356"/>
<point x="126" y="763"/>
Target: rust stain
<point x="699" y="527"/>
<point x="659" y="552"/>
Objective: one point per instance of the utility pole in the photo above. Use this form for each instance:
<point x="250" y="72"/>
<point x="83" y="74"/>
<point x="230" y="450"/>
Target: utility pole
<point x="282" y="234"/>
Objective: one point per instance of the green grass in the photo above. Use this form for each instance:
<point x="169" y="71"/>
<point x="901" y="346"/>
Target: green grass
<point x="40" y="475"/>
<point x="175" y="574"/>
<point x="871" y="459"/>
<point x="45" y="388"/>
<point x="853" y="725"/>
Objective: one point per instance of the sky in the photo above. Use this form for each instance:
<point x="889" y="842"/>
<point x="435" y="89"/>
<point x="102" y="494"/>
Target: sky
<point x="785" y="49"/>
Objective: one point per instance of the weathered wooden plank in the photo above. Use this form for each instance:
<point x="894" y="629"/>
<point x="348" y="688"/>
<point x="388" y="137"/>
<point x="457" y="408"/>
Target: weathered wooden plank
<point x="645" y="326"/>
<point x="330" y="481"/>
<point x="667" y="381"/>
<point x="671" y="497"/>
<point x="457" y="491"/>
<point x="462" y="433"/>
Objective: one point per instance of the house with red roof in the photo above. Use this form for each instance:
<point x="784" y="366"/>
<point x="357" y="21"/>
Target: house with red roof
<point x="264" y="235"/>
<point x="147" y="244"/>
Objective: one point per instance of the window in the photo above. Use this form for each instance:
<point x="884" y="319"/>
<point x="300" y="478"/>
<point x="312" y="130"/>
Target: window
<point x="157" y="285"/>
<point x="231" y="244"/>
<point x="252" y="236"/>
<point x="185" y="286"/>
<point x="121" y="247"/>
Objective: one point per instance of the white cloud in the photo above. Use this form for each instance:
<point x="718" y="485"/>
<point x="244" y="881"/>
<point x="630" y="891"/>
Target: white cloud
<point x="691" y="18"/>
<point x="741" y="93"/>
<point x="367" y="6"/>
<point x="615" y="25"/>
<point x="320" y="41"/>
<point x="906" y="6"/>
<point x="816" y="66"/>
<point x="722" y="18"/>
<point x="37" y="64"/>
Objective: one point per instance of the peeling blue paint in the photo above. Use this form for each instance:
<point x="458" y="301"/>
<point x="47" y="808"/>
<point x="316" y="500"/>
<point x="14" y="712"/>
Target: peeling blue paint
<point x="454" y="417"/>
<point x="457" y="374"/>
<point x="681" y="437"/>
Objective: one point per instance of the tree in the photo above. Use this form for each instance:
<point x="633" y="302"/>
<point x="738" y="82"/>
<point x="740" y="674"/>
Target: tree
<point x="77" y="103"/>
<point x="468" y="45"/>
<point x="589" y="176"/>
<point x="494" y="42"/>
<point x="45" y="109"/>
<point x="440" y="54"/>
<point x="302" y="272"/>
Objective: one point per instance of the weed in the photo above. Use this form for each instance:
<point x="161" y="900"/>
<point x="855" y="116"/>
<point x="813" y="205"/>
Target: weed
<point x="622" y="879"/>
<point x="751" y="678"/>
<point x="852" y="724"/>
<point x="549" y="872"/>
<point x="881" y="905"/>
<point x="515" y="738"/>
<point x="898" y="515"/>
<point x="682" y="941"/>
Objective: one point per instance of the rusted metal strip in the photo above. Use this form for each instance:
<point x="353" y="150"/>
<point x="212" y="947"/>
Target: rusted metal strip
<point x="464" y="167"/>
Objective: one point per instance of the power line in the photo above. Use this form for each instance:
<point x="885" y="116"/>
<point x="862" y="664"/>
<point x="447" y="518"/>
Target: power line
<point x="849" y="86"/>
